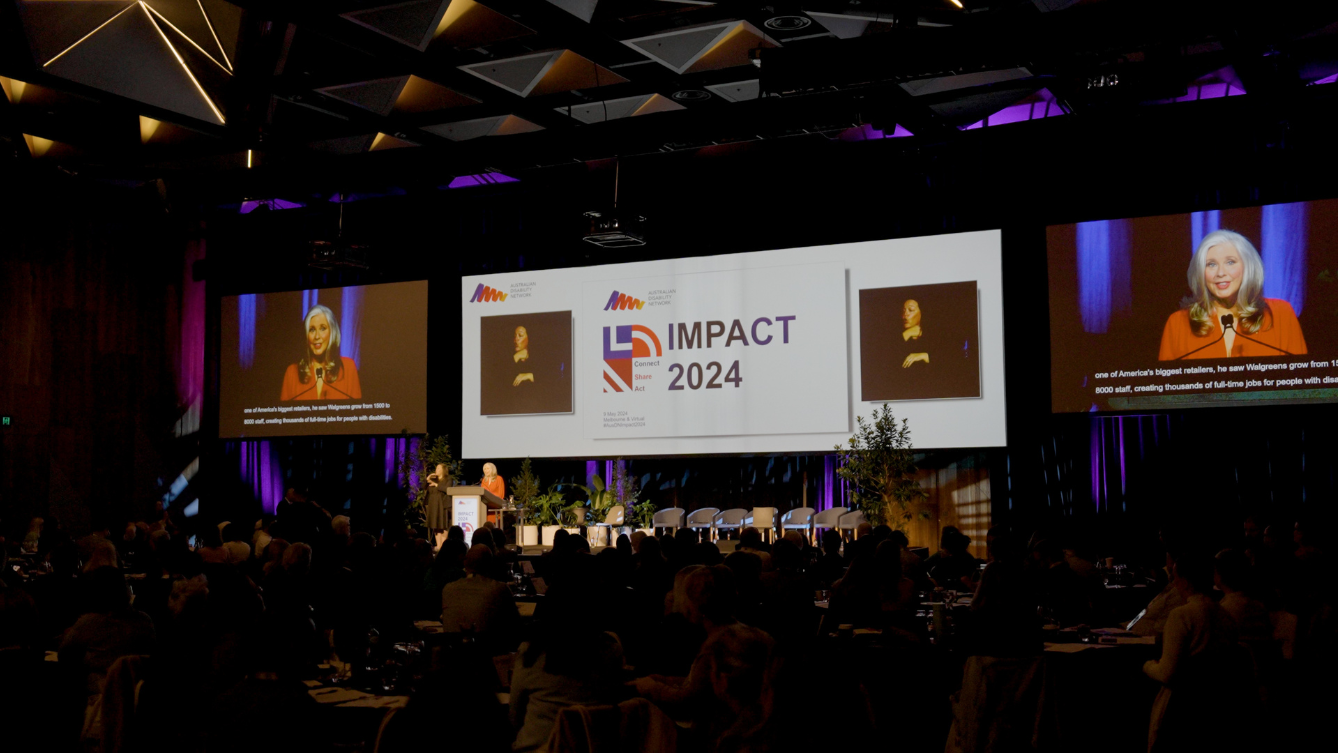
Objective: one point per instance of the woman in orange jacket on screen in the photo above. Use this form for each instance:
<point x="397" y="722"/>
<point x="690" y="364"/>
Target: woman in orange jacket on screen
<point x="1226" y="278"/>
<point x="321" y="374"/>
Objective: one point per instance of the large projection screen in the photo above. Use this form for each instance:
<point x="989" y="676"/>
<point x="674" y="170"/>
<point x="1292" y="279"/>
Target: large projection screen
<point x="1136" y="309"/>
<point x="774" y="351"/>
<point x="349" y="360"/>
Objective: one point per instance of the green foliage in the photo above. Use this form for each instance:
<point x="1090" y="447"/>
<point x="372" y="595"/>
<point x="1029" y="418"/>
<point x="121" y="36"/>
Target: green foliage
<point x="878" y="465"/>
<point x="525" y="487"/>
<point x="546" y="509"/>
<point x="644" y="514"/>
<point x="624" y="487"/>
<point x="414" y="469"/>
<point x="599" y="499"/>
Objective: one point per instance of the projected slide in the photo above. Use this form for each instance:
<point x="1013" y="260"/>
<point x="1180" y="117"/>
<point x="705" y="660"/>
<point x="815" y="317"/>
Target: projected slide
<point x="325" y="361"/>
<point x="774" y="351"/>
<point x="1222" y="307"/>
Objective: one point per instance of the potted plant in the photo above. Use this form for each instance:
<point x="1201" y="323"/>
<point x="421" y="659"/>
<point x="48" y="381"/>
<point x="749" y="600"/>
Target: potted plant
<point x="599" y="501"/>
<point x="878" y="465"/>
<point x="572" y="516"/>
<point x="524" y="490"/>
<point x="643" y="513"/>
<point x="545" y="512"/>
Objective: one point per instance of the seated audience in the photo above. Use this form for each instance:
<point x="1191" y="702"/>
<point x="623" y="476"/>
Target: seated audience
<point x="952" y="566"/>
<point x="568" y="662"/>
<point x="1195" y="653"/>
<point x="478" y="605"/>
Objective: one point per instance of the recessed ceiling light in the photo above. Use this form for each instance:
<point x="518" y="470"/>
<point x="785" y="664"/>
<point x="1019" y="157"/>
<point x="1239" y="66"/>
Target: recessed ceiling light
<point x="788" y="23"/>
<point x="690" y="95"/>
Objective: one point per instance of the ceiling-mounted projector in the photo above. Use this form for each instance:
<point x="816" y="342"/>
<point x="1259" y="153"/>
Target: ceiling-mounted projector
<point x="616" y="228"/>
<point x="330" y="255"/>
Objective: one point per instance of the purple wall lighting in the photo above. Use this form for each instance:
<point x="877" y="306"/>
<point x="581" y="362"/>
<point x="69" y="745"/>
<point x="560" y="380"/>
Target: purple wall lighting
<point x="1121" y="445"/>
<point x="481" y="179"/>
<point x="867" y="132"/>
<point x="248" y="207"/>
<point x="1325" y="80"/>
<point x="190" y="363"/>
<point x="1040" y="105"/>
<point x="1220" y="83"/>
<point x="259" y="465"/>
<point x="395" y="450"/>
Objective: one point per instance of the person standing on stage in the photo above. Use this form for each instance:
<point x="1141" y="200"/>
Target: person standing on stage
<point x="492" y="482"/>
<point x="438" y="507"/>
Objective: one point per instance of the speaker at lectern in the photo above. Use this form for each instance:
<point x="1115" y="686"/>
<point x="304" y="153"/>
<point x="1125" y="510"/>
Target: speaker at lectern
<point x="470" y="506"/>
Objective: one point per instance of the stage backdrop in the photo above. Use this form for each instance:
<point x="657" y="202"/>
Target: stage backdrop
<point x="775" y="351"/>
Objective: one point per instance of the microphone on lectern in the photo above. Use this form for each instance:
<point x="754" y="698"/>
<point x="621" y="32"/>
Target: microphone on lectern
<point x="1226" y="322"/>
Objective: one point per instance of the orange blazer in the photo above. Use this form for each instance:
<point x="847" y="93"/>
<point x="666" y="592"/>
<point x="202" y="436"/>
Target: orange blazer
<point x="346" y="388"/>
<point x="498" y="486"/>
<point x="1280" y="329"/>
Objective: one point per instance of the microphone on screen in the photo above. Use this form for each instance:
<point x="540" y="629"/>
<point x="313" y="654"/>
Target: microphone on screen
<point x="320" y="382"/>
<point x="1226" y="324"/>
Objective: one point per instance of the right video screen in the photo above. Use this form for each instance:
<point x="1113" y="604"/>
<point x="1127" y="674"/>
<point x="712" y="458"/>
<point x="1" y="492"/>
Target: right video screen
<point x="1213" y="308"/>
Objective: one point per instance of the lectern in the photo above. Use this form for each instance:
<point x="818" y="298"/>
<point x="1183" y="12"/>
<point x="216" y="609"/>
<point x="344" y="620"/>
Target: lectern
<point x="470" y="505"/>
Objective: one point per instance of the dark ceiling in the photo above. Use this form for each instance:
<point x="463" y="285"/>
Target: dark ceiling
<point x="256" y="95"/>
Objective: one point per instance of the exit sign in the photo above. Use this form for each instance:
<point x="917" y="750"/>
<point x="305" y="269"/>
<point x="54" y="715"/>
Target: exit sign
<point x="5" y="421"/>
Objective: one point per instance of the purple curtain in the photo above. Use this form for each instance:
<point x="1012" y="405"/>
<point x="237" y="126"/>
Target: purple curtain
<point x="260" y="467"/>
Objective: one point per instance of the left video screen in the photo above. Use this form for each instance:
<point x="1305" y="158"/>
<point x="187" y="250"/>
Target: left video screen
<point x="349" y="360"/>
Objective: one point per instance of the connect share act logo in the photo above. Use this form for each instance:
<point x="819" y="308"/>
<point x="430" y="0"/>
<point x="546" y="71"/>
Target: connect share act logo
<point x="625" y="347"/>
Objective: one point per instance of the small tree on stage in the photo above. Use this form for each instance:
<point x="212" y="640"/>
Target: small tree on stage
<point x="525" y="487"/>
<point x="415" y="466"/>
<point x="878" y="466"/>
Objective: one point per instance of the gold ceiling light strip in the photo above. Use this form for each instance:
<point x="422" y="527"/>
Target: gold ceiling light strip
<point x="210" y="24"/>
<point x="89" y="34"/>
<point x="184" y="36"/>
<point x="184" y="67"/>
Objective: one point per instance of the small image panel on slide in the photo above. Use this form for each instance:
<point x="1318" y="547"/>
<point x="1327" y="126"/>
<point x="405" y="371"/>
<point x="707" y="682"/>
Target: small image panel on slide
<point x="919" y="342"/>
<point x="525" y="364"/>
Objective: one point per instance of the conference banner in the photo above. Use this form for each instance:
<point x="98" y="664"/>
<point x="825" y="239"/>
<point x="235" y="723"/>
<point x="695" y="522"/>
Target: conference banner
<point x="717" y="354"/>
<point x="772" y="351"/>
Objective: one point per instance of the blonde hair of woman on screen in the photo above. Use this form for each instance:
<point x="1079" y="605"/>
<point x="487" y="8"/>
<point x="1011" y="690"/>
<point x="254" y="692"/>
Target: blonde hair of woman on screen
<point x="331" y="376"/>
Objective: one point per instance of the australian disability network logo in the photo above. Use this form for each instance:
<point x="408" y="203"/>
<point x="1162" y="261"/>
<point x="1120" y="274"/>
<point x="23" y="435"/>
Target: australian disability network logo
<point x="485" y="294"/>
<point x="622" y="302"/>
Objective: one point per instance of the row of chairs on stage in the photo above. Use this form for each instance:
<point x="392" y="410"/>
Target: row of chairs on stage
<point x="765" y="519"/>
